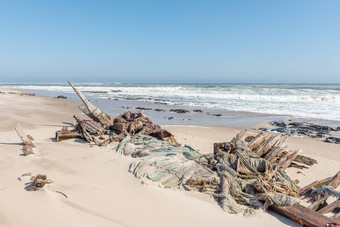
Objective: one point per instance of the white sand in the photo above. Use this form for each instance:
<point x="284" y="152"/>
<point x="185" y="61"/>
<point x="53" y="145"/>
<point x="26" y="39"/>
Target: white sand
<point x="100" y="190"/>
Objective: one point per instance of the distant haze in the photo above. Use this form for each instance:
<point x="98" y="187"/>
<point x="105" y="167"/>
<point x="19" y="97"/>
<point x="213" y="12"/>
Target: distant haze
<point x="170" y="41"/>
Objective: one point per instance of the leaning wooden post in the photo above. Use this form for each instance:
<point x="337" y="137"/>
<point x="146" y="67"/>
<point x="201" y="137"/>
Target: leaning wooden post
<point x="96" y="113"/>
<point x="23" y="136"/>
<point x="28" y="148"/>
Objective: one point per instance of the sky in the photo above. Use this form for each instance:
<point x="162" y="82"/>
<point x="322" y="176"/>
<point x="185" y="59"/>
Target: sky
<point x="240" y="41"/>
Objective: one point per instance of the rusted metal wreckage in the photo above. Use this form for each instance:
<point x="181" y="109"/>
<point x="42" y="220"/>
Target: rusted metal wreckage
<point x="244" y="174"/>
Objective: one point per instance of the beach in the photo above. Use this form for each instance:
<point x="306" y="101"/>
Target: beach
<point x="99" y="189"/>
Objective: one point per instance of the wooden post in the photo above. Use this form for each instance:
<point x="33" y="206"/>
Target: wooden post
<point x="95" y="111"/>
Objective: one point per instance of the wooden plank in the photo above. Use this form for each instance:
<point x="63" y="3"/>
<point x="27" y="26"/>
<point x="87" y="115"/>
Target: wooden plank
<point x="312" y="185"/>
<point x="64" y="135"/>
<point x="304" y="216"/>
<point x="259" y="138"/>
<point x="267" y="144"/>
<point x="23" y="136"/>
<point x="330" y="207"/>
<point x="289" y="159"/>
<point x="295" y="165"/>
<point x="335" y="181"/>
<point x="305" y="160"/>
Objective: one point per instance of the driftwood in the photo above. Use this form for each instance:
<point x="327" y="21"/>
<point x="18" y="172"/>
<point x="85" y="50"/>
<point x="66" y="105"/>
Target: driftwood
<point x="305" y="191"/>
<point x="116" y="127"/>
<point x="304" y="216"/>
<point x="272" y="148"/>
<point x="95" y="112"/>
<point x="23" y="136"/>
<point x="26" y="139"/>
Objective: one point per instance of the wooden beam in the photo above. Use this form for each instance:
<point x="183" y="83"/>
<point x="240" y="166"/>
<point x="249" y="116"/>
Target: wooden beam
<point x="64" y="135"/>
<point x="330" y="207"/>
<point x="285" y="164"/>
<point x="96" y="113"/>
<point x="23" y="136"/>
<point x="310" y="187"/>
<point x="304" y="216"/>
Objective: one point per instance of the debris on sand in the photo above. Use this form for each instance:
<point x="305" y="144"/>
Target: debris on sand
<point x="117" y="128"/>
<point x="243" y="175"/>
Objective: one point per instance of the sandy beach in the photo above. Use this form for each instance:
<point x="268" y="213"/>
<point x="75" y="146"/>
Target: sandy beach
<point x="100" y="191"/>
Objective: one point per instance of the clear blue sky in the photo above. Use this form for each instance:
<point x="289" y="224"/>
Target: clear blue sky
<point x="170" y="41"/>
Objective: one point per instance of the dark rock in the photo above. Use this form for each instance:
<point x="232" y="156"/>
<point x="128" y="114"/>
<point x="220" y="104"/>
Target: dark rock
<point x="130" y="98"/>
<point x="143" y="108"/>
<point x="318" y="135"/>
<point x="321" y="127"/>
<point x="338" y="129"/>
<point x="61" y="97"/>
<point x="163" y="103"/>
<point x="278" y="124"/>
<point x="179" y="110"/>
<point x="198" y="111"/>
<point x="160" y="110"/>
<point x="332" y="140"/>
<point x="297" y="124"/>
<point x="116" y="91"/>
<point x="96" y="92"/>
<point x="217" y="115"/>
<point x="171" y="118"/>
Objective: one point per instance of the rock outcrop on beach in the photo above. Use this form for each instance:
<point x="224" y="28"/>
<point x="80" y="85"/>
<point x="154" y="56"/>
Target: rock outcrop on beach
<point x="305" y="129"/>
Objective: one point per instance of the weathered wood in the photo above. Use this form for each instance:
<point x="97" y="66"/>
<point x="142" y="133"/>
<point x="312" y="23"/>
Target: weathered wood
<point x="305" y="160"/>
<point x="330" y="207"/>
<point x="91" y="126"/>
<point x="259" y="138"/>
<point x="336" y="216"/>
<point x="119" y="127"/>
<point x="295" y="165"/>
<point x="335" y="181"/>
<point x="277" y="149"/>
<point x="96" y="113"/>
<point x="285" y="164"/>
<point x="268" y="144"/>
<point x="238" y="137"/>
<point x="23" y="136"/>
<point x="304" y="216"/>
<point x="64" y="135"/>
<point x="320" y="200"/>
<point x="27" y="150"/>
<point x="310" y="187"/>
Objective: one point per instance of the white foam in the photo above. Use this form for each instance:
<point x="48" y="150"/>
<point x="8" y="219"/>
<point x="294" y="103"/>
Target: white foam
<point x="310" y="101"/>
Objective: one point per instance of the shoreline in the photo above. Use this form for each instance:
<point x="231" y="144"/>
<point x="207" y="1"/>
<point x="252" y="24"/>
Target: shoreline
<point x="164" y="115"/>
<point x="100" y="190"/>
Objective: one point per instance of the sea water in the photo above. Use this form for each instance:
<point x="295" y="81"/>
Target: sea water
<point x="309" y="101"/>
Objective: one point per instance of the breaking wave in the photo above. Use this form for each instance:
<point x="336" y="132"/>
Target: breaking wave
<point x="310" y="101"/>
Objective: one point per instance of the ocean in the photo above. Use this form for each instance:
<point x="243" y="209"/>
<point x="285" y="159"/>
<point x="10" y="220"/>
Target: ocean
<point x="320" y="102"/>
